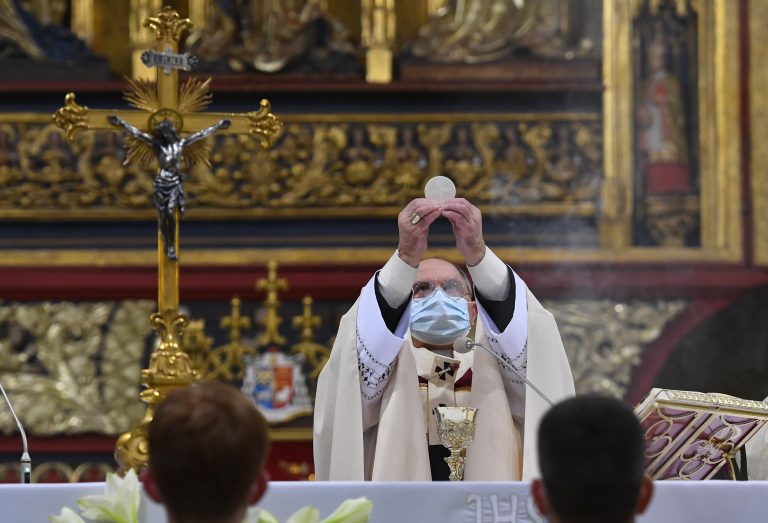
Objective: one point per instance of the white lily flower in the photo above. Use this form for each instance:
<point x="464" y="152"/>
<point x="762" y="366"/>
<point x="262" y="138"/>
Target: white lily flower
<point x="118" y="504"/>
<point x="67" y="516"/>
<point x="356" y="510"/>
<point x="305" y="515"/>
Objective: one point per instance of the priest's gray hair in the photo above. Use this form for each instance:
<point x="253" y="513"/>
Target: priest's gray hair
<point x="464" y="275"/>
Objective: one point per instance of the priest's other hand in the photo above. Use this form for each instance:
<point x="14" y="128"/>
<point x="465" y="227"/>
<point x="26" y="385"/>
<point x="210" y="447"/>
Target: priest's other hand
<point x="467" y="223"/>
<point x="413" y="223"/>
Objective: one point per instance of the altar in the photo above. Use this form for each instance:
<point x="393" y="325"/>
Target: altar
<point x="471" y="502"/>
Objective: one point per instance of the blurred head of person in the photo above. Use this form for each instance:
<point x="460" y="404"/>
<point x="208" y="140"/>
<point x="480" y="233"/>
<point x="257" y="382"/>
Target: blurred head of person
<point x="208" y="445"/>
<point x="592" y="462"/>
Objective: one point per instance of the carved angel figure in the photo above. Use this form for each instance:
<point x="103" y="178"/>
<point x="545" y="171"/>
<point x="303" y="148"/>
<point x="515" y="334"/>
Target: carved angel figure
<point x="168" y="147"/>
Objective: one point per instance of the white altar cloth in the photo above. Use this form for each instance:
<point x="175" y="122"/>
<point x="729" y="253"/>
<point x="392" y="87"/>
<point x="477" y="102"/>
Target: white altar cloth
<point x="679" y="502"/>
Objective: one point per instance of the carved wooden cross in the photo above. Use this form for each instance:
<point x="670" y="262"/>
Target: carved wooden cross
<point x="159" y="107"/>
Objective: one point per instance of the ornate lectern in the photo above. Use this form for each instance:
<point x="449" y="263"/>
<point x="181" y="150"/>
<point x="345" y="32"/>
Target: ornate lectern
<point x="691" y="435"/>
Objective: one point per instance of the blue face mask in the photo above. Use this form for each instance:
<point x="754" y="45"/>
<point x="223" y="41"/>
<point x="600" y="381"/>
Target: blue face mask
<point x="439" y="319"/>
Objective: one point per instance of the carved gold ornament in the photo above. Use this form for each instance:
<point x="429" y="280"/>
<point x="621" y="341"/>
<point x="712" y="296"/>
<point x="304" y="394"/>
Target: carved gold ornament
<point x="168" y="25"/>
<point x="169" y="368"/>
<point x="605" y="339"/>
<point x="72" y="117"/>
<point x="512" y="164"/>
<point x="264" y="126"/>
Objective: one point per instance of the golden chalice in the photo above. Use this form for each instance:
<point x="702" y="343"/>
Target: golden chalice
<point x="456" y="429"/>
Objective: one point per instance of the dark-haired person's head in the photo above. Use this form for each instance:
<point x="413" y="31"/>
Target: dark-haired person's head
<point x="207" y="448"/>
<point x="592" y="462"/>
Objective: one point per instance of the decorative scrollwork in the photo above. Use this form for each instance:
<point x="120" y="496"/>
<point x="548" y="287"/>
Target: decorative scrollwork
<point x="605" y="339"/>
<point x="478" y="31"/>
<point x="717" y="399"/>
<point x="169" y="361"/>
<point x="316" y="164"/>
<point x="718" y="446"/>
<point x="71" y="118"/>
<point x="168" y="25"/>
<point x="169" y="368"/>
<point x="265" y="126"/>
<point x="73" y="368"/>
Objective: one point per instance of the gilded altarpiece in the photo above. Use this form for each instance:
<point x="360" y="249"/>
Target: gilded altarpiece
<point x="634" y="175"/>
<point x="640" y="180"/>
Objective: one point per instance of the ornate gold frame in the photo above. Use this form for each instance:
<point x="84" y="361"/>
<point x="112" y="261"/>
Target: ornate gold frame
<point x="758" y="104"/>
<point x="719" y="134"/>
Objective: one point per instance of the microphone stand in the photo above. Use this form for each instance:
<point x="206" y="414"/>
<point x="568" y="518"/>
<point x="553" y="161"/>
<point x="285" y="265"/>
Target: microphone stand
<point x="465" y="344"/>
<point x="25" y="465"/>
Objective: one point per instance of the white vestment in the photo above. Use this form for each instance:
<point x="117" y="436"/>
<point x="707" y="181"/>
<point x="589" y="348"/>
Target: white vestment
<point x="393" y="445"/>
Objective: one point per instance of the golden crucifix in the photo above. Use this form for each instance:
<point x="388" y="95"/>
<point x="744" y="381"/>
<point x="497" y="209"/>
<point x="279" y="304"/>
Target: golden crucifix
<point x="168" y="127"/>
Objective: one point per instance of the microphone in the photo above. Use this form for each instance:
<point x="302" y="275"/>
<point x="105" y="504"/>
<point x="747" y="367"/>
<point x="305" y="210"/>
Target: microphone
<point x="465" y="344"/>
<point x="25" y="467"/>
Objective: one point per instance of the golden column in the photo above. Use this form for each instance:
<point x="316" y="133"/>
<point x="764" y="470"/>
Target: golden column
<point x="378" y="23"/>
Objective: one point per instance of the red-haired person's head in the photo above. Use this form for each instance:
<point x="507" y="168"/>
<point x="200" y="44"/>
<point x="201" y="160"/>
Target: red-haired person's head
<point x="207" y="448"/>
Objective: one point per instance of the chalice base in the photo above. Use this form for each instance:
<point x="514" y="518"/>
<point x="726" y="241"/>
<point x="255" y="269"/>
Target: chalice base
<point x="456" y="464"/>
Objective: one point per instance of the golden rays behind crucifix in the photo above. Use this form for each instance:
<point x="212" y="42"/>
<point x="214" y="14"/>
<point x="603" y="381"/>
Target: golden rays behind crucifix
<point x="194" y="96"/>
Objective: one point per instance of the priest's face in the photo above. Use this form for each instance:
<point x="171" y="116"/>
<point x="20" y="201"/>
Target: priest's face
<point x="433" y="274"/>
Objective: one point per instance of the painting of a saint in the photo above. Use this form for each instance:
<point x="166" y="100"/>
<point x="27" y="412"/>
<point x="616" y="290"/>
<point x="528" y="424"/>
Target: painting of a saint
<point x="661" y="139"/>
<point x="665" y="117"/>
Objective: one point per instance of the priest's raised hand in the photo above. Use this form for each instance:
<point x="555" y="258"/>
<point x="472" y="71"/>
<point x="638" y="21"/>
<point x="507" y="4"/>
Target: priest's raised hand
<point x="413" y="228"/>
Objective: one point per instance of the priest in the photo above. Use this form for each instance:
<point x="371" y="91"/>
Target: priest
<point x="393" y="362"/>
